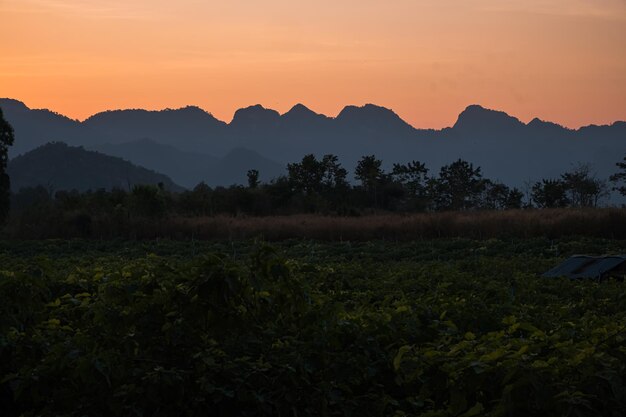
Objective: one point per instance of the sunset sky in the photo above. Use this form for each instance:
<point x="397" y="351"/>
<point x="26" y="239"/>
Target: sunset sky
<point x="560" y="60"/>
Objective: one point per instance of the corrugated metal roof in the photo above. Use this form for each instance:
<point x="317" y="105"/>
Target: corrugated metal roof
<point x="581" y="266"/>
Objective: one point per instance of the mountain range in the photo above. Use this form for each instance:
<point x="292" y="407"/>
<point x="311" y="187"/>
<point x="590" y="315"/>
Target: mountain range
<point x="190" y="145"/>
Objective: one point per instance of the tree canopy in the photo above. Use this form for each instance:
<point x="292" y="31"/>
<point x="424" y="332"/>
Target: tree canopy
<point x="7" y="138"/>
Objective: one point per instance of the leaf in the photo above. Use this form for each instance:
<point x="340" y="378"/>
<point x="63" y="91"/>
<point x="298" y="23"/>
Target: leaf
<point x="493" y="356"/>
<point x="55" y="303"/>
<point x="398" y="359"/>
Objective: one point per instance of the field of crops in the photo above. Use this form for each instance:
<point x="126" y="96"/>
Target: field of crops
<point x="429" y="328"/>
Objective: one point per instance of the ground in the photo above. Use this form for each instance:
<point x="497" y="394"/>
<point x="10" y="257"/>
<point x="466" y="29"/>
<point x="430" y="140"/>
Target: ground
<point x="445" y="327"/>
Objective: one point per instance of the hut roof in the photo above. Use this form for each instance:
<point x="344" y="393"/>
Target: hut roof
<point x="583" y="266"/>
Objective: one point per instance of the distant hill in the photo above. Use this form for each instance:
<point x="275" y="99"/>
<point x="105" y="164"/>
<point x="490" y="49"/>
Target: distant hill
<point x="189" y="168"/>
<point x="189" y="128"/>
<point x="62" y="167"/>
<point x="190" y="145"/>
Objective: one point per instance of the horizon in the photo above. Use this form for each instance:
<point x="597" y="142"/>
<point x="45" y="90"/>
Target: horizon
<point x="556" y="60"/>
<point x="228" y="121"/>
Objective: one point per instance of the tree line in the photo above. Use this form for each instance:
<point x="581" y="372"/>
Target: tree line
<point x="321" y="185"/>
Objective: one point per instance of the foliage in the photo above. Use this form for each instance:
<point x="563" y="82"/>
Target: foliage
<point x="583" y="187"/>
<point x="253" y="178"/>
<point x="431" y="328"/>
<point x="620" y="177"/>
<point x="550" y="194"/>
<point x="6" y="139"/>
<point x="458" y="187"/>
<point x="318" y="186"/>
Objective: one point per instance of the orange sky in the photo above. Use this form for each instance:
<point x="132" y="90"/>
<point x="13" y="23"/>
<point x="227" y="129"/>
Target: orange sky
<point x="561" y="60"/>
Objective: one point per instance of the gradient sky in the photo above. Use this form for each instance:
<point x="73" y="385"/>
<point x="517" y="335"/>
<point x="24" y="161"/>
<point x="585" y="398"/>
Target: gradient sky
<point x="561" y="60"/>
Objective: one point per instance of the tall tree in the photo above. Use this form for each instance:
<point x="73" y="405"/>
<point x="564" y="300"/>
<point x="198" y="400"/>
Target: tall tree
<point x="550" y="193"/>
<point x="582" y="186"/>
<point x="497" y="196"/>
<point x="459" y="186"/>
<point x="306" y="175"/>
<point x="412" y="176"/>
<point x="253" y="178"/>
<point x="620" y="178"/>
<point x="7" y="138"/>
<point x="369" y="171"/>
<point x="334" y="176"/>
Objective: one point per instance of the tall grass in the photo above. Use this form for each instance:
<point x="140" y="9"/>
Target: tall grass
<point x="551" y="223"/>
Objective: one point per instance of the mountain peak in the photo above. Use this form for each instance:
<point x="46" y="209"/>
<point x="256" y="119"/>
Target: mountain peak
<point x="12" y="105"/>
<point x="478" y="119"/>
<point x="538" y="123"/>
<point x="299" y="109"/>
<point x="300" y="116"/>
<point x="371" y="115"/>
<point x="255" y="116"/>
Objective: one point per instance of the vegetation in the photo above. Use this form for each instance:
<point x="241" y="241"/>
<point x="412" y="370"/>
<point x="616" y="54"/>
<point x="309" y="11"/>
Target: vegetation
<point x="315" y="200"/>
<point x="6" y="139"/>
<point x="431" y="328"/>
<point x="619" y="178"/>
<point x="314" y="186"/>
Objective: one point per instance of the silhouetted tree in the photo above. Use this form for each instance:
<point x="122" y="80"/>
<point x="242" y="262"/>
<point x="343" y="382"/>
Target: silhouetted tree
<point x="370" y="173"/>
<point x="583" y="187"/>
<point x="620" y="178"/>
<point x="306" y="175"/>
<point x="148" y="201"/>
<point x="549" y="193"/>
<point x="198" y="201"/>
<point x="497" y="196"/>
<point x="334" y="176"/>
<point x="413" y="178"/>
<point x="253" y="178"/>
<point x="458" y="187"/>
<point x="6" y="139"/>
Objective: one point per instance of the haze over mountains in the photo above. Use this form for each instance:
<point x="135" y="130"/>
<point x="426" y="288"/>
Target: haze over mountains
<point x="190" y="145"/>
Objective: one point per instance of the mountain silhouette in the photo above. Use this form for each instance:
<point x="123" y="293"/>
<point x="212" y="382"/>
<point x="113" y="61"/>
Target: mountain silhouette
<point x="255" y="117"/>
<point x="190" y="145"/>
<point x="187" y="128"/>
<point x="61" y="167"/>
<point x="300" y="116"/>
<point x="189" y="168"/>
<point x="373" y="118"/>
<point x="476" y="119"/>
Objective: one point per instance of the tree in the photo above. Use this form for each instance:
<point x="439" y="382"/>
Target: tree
<point x="549" y="193"/>
<point x="412" y="176"/>
<point x="583" y="188"/>
<point x="198" y="201"/>
<point x="7" y="138"/>
<point x="334" y="175"/>
<point x="148" y="201"/>
<point x="413" y="180"/>
<point x="253" y="178"/>
<point x="497" y="196"/>
<point x="458" y="187"/>
<point x="620" y="178"/>
<point x="306" y="176"/>
<point x="369" y="171"/>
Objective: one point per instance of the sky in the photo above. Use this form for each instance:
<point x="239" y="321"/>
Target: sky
<point x="559" y="60"/>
